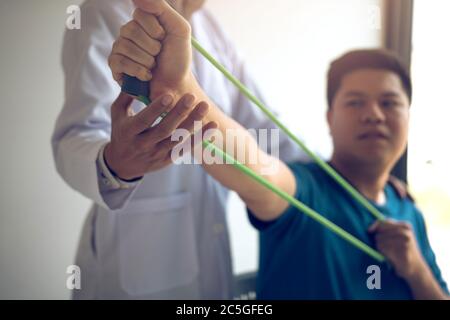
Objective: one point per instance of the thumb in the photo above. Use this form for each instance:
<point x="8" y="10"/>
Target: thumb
<point x="172" y="22"/>
<point x="121" y="106"/>
<point x="373" y="227"/>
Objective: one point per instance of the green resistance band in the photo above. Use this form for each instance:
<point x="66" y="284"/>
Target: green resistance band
<point x="140" y="90"/>
<point x="327" y="168"/>
<point x="293" y="201"/>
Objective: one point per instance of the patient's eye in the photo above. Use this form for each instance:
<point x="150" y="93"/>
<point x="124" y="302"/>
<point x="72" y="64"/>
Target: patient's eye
<point x="390" y="103"/>
<point x="355" y="103"/>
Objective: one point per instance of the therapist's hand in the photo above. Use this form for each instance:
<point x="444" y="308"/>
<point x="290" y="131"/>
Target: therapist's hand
<point x="156" y="46"/>
<point x="136" y="148"/>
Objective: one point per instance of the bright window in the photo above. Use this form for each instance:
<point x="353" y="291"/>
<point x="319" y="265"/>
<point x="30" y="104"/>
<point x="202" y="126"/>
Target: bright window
<point x="429" y="151"/>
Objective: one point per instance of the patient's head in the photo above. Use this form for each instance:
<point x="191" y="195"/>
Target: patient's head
<point x="369" y="95"/>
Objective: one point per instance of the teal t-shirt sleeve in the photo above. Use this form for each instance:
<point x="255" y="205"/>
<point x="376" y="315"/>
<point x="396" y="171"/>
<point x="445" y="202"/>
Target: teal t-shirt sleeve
<point x="304" y="184"/>
<point x="428" y="253"/>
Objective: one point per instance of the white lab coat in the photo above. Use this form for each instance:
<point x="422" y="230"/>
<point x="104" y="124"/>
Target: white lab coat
<point x="166" y="238"/>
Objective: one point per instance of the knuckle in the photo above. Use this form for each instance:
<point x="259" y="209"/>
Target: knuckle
<point x="123" y="131"/>
<point x="122" y="61"/>
<point x="141" y="144"/>
<point x="142" y="73"/>
<point x="186" y="29"/>
<point x="141" y="122"/>
<point x="138" y="14"/>
<point x="110" y="62"/>
<point x="128" y="30"/>
<point x="160" y="134"/>
<point x="404" y="239"/>
<point x="134" y="29"/>
<point x="163" y="132"/>
<point x="114" y="47"/>
<point x="119" y="46"/>
<point x="159" y="32"/>
<point x="155" y="48"/>
<point x="126" y="47"/>
<point x="135" y="70"/>
<point x="114" y="62"/>
<point x="182" y="111"/>
<point x="123" y="29"/>
<point x="150" y="61"/>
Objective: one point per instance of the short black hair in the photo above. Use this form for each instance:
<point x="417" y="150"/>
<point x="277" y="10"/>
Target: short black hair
<point x="362" y="59"/>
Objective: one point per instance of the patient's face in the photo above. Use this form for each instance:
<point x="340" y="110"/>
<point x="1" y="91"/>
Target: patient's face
<point x="186" y="7"/>
<point x="369" y="117"/>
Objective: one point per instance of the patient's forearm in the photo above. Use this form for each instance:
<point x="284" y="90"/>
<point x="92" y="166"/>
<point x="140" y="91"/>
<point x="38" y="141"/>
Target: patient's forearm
<point x="239" y="143"/>
<point x="425" y="287"/>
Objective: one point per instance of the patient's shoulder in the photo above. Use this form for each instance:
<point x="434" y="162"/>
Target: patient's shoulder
<point x="401" y="188"/>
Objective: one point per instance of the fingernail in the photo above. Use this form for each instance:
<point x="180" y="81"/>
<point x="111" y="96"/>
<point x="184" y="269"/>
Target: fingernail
<point x="188" y="101"/>
<point x="167" y="100"/>
<point x="203" y="108"/>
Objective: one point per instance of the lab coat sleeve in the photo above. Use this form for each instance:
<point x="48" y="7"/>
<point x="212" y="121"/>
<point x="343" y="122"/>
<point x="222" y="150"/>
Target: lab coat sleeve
<point x="84" y="124"/>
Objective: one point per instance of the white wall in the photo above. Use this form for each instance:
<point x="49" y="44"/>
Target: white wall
<point x="287" y="43"/>
<point x="40" y="216"/>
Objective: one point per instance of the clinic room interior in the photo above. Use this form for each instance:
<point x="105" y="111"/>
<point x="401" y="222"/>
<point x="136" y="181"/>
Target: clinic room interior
<point x="287" y="47"/>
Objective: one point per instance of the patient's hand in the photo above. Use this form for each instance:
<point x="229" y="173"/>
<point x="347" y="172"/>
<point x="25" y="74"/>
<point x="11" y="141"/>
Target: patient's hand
<point x="156" y="46"/>
<point x="397" y="242"/>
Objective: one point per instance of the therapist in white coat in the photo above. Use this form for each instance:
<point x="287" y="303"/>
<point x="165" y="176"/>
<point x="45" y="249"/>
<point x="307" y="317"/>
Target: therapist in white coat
<point x="162" y="235"/>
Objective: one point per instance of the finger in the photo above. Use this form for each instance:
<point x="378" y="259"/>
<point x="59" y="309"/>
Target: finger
<point x="144" y="119"/>
<point x="131" y="50"/>
<point x="121" y="64"/>
<point x="387" y="225"/>
<point x="186" y="142"/>
<point x="149" y="23"/>
<point x="172" y="22"/>
<point x="386" y="250"/>
<point x="399" y="232"/>
<point x="206" y="132"/>
<point x="390" y="249"/>
<point x="118" y="77"/>
<point x="394" y="238"/>
<point x="120" y="107"/>
<point x="179" y="113"/>
<point x="166" y="146"/>
<point x="134" y="32"/>
<point x="195" y="117"/>
<point x="373" y="228"/>
<point x="163" y="150"/>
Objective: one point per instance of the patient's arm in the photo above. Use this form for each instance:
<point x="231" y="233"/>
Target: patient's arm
<point x="264" y="203"/>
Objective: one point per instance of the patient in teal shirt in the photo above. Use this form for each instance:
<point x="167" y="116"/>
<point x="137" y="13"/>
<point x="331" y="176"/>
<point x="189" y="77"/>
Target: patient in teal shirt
<point x="369" y="96"/>
<point x="300" y="259"/>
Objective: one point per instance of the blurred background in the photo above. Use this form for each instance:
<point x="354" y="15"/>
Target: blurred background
<point x="288" y="45"/>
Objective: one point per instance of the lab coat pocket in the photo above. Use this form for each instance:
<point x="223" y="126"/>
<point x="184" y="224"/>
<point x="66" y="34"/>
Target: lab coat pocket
<point x="157" y="247"/>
